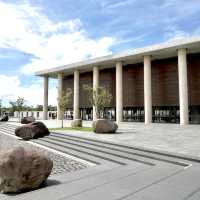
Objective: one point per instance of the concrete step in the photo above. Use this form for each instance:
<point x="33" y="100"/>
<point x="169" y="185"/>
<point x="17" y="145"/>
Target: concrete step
<point x="98" y="150"/>
<point x="97" y="159"/>
<point x="6" y="132"/>
<point x="118" y="149"/>
<point x="83" y="150"/>
<point x="71" y="149"/>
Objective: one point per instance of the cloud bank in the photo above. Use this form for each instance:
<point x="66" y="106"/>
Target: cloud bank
<point x="27" y="29"/>
<point x="11" y="88"/>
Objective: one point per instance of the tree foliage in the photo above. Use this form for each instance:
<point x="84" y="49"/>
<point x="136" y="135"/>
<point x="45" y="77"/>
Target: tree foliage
<point x="13" y="106"/>
<point x="18" y="105"/>
<point x="99" y="98"/>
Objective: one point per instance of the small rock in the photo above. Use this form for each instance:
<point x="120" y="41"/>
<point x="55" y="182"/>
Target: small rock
<point x="27" y="120"/>
<point x="32" y="131"/>
<point x="4" y="118"/>
<point x="104" y="126"/>
<point x="76" y="123"/>
<point x="23" y="169"/>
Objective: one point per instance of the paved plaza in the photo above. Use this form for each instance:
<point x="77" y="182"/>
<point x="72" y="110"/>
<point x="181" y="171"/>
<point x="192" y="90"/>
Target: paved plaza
<point x="119" y="169"/>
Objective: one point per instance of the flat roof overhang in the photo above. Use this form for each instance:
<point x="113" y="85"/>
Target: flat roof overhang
<point x="160" y="51"/>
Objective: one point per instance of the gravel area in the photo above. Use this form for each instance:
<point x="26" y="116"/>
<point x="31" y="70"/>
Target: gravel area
<point x="61" y="163"/>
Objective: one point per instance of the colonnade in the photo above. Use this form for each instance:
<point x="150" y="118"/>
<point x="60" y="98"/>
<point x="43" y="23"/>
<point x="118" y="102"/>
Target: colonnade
<point x="183" y="89"/>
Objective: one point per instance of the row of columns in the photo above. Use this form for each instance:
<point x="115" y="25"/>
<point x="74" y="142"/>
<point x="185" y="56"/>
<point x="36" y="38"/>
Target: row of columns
<point x="183" y="89"/>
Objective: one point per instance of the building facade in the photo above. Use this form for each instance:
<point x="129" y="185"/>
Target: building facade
<point x="160" y="83"/>
<point x="38" y="115"/>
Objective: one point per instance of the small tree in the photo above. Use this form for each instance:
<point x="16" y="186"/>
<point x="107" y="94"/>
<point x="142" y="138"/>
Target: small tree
<point x="13" y="106"/>
<point x="39" y="108"/>
<point x="18" y="105"/>
<point x="63" y="101"/>
<point x="99" y="98"/>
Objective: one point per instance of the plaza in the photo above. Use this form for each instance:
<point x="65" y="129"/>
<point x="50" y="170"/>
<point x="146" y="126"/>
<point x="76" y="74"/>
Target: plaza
<point x="127" y="165"/>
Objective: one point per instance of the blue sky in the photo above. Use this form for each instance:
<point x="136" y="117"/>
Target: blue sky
<point x="40" y="34"/>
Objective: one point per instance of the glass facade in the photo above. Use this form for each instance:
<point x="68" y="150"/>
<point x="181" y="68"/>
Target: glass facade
<point x="160" y="114"/>
<point x="166" y="114"/>
<point x="86" y="113"/>
<point x="133" y="114"/>
<point x="194" y="114"/>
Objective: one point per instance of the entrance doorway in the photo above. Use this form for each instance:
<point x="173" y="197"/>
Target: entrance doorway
<point x="86" y="114"/>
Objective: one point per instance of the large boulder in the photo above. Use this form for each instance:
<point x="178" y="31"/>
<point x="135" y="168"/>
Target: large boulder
<point x="104" y="126"/>
<point x="23" y="169"/>
<point x="4" y="118"/>
<point x="27" y="120"/>
<point x="32" y="131"/>
<point x="76" y="123"/>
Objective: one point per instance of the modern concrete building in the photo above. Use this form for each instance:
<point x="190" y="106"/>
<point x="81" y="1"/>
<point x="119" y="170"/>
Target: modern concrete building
<point x="159" y="83"/>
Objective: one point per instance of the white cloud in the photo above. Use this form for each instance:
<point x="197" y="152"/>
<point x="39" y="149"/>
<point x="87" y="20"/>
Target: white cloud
<point x="27" y="29"/>
<point x="32" y="93"/>
<point x="113" y="5"/>
<point x="174" y="33"/>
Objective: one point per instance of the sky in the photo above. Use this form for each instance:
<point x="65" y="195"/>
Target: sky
<point x="41" y="34"/>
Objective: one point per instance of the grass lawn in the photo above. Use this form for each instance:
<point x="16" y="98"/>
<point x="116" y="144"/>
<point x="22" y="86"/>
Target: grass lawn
<point x="72" y="129"/>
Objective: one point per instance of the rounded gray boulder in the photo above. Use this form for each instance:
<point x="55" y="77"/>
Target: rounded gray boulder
<point x="23" y="169"/>
<point x="104" y="126"/>
<point x="4" y="118"/>
<point x="32" y="131"/>
<point x="76" y="123"/>
<point x="27" y="120"/>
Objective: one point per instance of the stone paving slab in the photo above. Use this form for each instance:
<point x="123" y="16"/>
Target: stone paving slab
<point x="175" y="187"/>
<point x="194" y="195"/>
<point x="127" y="184"/>
<point x="68" y="190"/>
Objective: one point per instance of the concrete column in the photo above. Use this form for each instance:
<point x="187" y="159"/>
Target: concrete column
<point x="119" y="92"/>
<point x="183" y="86"/>
<point x="76" y="95"/>
<point x="147" y="90"/>
<point x="45" y="105"/>
<point x="95" y="86"/>
<point x="60" y="91"/>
